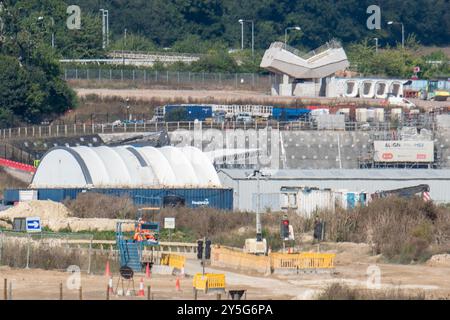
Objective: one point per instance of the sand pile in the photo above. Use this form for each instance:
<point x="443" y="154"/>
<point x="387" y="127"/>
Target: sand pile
<point x="56" y="216"/>
<point x="439" y="260"/>
<point x="46" y="210"/>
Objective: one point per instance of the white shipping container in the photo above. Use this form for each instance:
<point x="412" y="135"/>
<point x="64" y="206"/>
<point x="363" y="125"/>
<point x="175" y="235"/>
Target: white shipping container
<point x="396" y="114"/>
<point x="379" y="115"/>
<point x="305" y="201"/>
<point x="361" y="114"/>
<point x="403" y="151"/>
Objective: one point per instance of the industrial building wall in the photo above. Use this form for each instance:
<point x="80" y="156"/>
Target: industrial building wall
<point x="247" y="189"/>
<point x="215" y="197"/>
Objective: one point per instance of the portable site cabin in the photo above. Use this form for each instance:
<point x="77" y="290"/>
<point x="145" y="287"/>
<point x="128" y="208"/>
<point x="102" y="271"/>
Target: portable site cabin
<point x="306" y="201"/>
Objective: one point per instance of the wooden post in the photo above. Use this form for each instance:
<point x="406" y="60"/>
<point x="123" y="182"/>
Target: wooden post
<point x="195" y="294"/>
<point x="149" y="292"/>
<point x="80" y="293"/>
<point x="60" y="291"/>
<point x="219" y="296"/>
<point x="107" y="292"/>
<point x="5" y="290"/>
<point x="90" y="253"/>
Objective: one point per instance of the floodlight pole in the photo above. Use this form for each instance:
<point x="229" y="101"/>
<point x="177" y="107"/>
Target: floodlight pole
<point x="257" y="173"/>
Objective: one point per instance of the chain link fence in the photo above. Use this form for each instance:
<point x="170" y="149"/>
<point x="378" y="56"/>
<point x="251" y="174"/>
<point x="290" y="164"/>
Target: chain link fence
<point x="243" y="81"/>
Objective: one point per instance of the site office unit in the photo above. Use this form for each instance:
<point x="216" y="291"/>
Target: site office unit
<point x="218" y="198"/>
<point x="306" y="201"/>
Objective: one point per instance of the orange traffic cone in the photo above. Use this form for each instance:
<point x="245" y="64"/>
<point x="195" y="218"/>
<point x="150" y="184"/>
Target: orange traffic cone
<point x="147" y="271"/>
<point x="177" y="284"/>
<point x="141" y="292"/>
<point x="107" y="270"/>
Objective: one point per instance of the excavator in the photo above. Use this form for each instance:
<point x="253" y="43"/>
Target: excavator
<point x="433" y="92"/>
<point x="421" y="190"/>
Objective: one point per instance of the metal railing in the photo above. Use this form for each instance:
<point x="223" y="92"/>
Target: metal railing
<point x="68" y="130"/>
<point x="332" y="44"/>
<point x="155" y="56"/>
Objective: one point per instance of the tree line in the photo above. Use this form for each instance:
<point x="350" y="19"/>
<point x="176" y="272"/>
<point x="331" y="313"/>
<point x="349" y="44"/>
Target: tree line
<point x="34" y="35"/>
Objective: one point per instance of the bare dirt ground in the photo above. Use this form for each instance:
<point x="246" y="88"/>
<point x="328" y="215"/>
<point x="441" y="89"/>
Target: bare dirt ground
<point x="234" y="96"/>
<point x="351" y="268"/>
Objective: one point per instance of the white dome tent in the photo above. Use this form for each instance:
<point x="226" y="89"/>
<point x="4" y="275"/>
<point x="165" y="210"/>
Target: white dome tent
<point x="125" y="167"/>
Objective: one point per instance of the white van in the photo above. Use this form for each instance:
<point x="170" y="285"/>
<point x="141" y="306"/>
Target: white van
<point x="400" y="102"/>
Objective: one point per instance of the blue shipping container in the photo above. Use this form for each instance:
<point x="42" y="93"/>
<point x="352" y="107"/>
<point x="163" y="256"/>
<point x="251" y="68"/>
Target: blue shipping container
<point x="289" y="114"/>
<point x="215" y="198"/>
<point x="192" y="112"/>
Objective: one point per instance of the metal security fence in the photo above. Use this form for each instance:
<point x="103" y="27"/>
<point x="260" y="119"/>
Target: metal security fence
<point x="173" y="78"/>
<point x="67" y="130"/>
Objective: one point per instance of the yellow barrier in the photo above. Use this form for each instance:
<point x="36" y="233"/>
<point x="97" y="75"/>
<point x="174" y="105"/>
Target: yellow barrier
<point x="224" y="257"/>
<point x="306" y="260"/>
<point x="209" y="281"/>
<point x="173" y="260"/>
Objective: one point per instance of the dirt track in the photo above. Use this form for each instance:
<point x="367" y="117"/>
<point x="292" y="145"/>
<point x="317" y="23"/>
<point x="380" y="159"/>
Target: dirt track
<point x="352" y="264"/>
<point x="234" y="96"/>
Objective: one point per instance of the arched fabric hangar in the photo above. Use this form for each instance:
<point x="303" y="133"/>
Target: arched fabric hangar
<point x="125" y="167"/>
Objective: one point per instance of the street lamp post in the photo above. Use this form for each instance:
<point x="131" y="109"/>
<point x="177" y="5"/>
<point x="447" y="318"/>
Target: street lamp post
<point x="242" y="33"/>
<point x="41" y="18"/>
<point x="124" y="43"/>
<point x="105" y="27"/>
<point x="403" y="31"/>
<point x="242" y="21"/>
<point x="286" y="30"/>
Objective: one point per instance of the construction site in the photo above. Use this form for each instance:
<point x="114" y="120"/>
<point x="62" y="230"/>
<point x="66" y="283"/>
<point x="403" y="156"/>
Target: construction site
<point x="304" y="182"/>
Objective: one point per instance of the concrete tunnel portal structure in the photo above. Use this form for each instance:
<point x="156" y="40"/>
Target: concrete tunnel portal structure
<point x="304" y="74"/>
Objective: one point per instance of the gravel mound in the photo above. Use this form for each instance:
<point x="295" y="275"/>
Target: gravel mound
<point x="439" y="260"/>
<point x="56" y="216"/>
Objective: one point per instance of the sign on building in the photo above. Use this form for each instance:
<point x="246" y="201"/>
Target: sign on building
<point x="28" y="195"/>
<point x="404" y="151"/>
<point x="169" y="223"/>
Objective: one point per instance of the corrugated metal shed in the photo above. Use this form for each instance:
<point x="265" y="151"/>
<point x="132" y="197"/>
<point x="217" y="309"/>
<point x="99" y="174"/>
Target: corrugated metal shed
<point x="218" y="198"/>
<point x="368" y="180"/>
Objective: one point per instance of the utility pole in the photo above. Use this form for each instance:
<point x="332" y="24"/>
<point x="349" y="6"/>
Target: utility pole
<point x="203" y="254"/>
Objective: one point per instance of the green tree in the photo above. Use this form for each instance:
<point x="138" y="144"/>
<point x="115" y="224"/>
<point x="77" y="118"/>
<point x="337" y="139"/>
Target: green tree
<point x="216" y="60"/>
<point x="32" y="88"/>
<point x="133" y="43"/>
